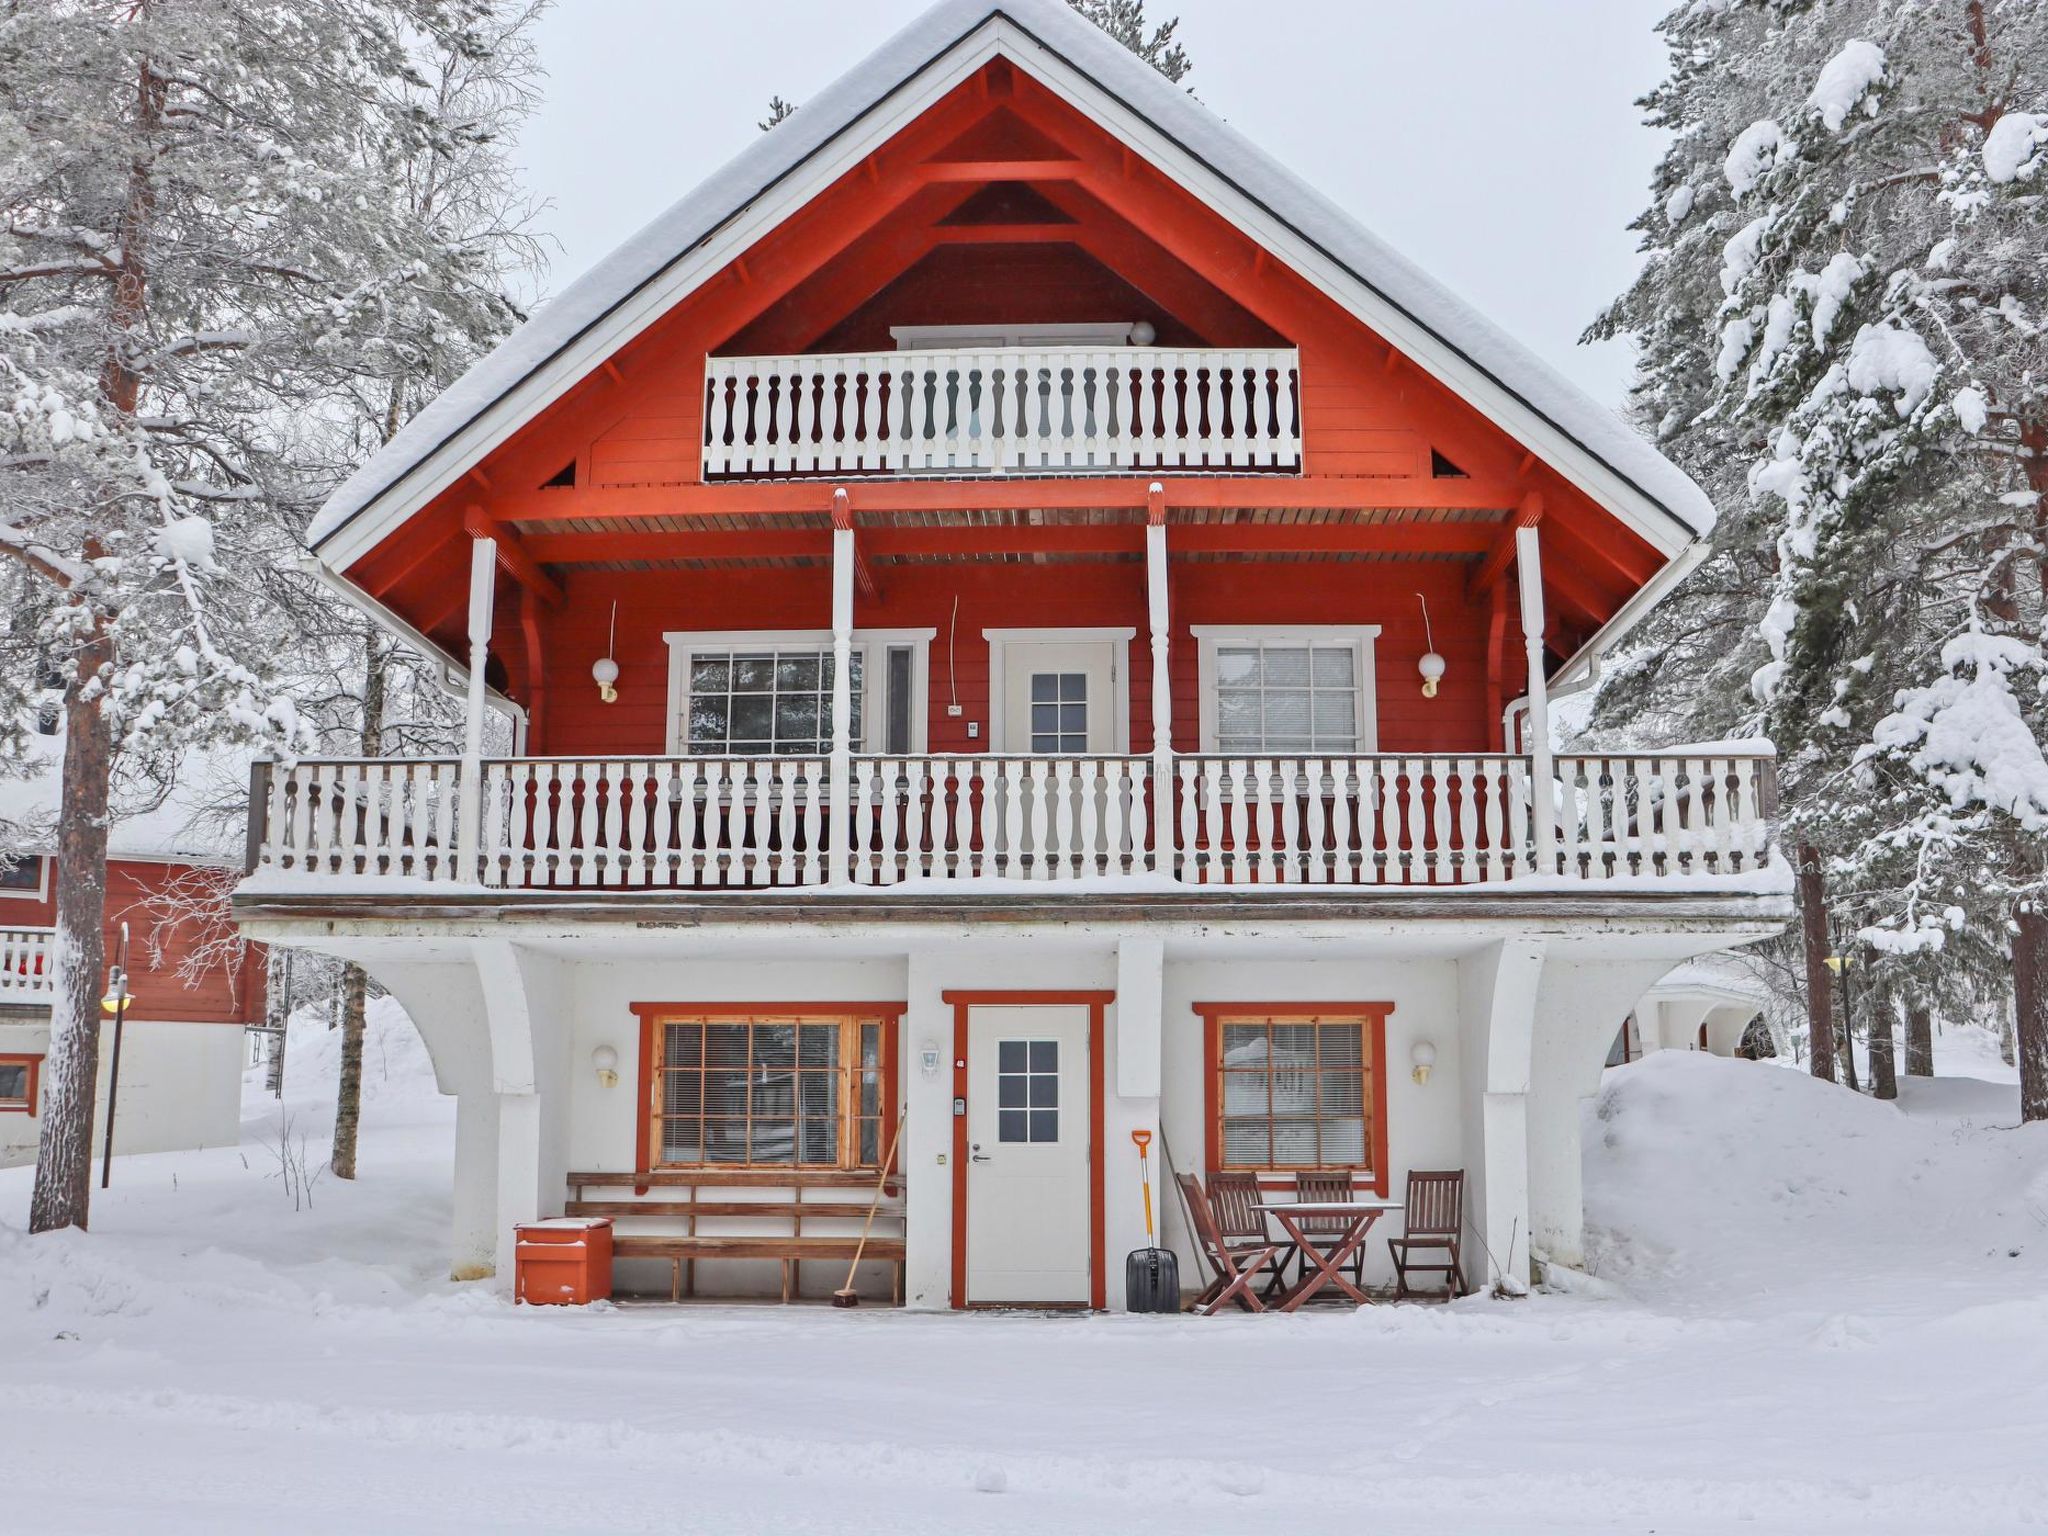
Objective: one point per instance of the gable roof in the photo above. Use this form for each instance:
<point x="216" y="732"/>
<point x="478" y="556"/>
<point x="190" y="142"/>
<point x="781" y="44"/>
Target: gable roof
<point x="1583" y="439"/>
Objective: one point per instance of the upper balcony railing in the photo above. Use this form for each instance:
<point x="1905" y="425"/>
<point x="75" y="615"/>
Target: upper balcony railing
<point x="734" y="824"/>
<point x="1003" y="411"/>
<point x="26" y="973"/>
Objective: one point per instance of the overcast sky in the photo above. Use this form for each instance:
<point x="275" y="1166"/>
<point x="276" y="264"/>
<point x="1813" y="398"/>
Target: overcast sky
<point x="1495" y="142"/>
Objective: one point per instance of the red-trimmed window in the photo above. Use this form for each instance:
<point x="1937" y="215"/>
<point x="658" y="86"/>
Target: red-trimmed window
<point x="1295" y="1087"/>
<point x="18" y="1076"/>
<point x="770" y="1089"/>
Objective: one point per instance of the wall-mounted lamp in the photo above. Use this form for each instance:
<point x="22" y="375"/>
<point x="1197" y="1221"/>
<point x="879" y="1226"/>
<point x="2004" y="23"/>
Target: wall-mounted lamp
<point x="1431" y="666"/>
<point x="605" y="670"/>
<point x="1423" y="1054"/>
<point x="928" y="1060"/>
<point x="1143" y="334"/>
<point x="606" y="1060"/>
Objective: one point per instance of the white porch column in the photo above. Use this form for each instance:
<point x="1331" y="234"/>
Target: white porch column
<point x="1165" y="825"/>
<point x="1135" y="1046"/>
<point x="527" y="1005"/>
<point x="1497" y="1014"/>
<point x="839" y="869"/>
<point x="1542" y="773"/>
<point x="474" y="1241"/>
<point x="483" y="580"/>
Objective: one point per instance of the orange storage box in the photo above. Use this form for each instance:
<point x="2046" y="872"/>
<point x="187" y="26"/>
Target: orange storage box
<point x="566" y="1262"/>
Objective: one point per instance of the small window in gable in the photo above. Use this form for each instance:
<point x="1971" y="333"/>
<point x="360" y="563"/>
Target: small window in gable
<point x="1441" y="468"/>
<point x="565" y="477"/>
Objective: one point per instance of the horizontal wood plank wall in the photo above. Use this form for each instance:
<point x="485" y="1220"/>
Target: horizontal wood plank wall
<point x="1015" y="596"/>
<point x="856" y="260"/>
<point x="219" y="995"/>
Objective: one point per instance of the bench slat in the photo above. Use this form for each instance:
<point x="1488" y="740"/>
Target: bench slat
<point x="880" y="1248"/>
<point x="680" y="1210"/>
<point x="737" y="1178"/>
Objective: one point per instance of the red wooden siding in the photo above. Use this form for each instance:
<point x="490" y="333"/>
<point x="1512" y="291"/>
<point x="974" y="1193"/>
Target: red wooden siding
<point x="218" y="995"/>
<point x="898" y="242"/>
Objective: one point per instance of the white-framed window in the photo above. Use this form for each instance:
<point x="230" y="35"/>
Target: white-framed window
<point x="27" y="878"/>
<point x="1302" y="688"/>
<point x="768" y="693"/>
<point x="925" y="338"/>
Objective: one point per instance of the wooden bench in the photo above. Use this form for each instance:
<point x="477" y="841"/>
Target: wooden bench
<point x="791" y="1248"/>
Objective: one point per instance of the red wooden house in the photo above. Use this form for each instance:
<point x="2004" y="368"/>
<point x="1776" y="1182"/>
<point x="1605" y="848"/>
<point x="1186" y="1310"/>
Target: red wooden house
<point x="182" y="1039"/>
<point x="1016" y="615"/>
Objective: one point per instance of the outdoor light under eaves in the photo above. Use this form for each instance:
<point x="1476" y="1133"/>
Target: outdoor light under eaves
<point x="606" y="1060"/>
<point x="1423" y="1055"/>
<point x="605" y="670"/>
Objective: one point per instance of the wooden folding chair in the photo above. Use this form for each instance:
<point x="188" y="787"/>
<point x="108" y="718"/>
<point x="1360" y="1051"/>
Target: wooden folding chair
<point x="1237" y="1265"/>
<point x="1329" y="1185"/>
<point x="1234" y="1200"/>
<point x="1433" y="1221"/>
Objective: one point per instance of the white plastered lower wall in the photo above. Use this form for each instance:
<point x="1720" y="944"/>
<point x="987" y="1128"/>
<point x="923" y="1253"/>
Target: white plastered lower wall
<point x="181" y="1087"/>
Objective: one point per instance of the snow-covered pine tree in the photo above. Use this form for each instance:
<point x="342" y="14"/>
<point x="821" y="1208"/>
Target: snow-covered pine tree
<point x="188" y="264"/>
<point x="1843" y="305"/>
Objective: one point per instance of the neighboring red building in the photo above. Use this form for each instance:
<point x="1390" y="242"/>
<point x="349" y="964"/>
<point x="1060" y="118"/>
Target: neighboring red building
<point x="183" y="1048"/>
<point x="1003" y="575"/>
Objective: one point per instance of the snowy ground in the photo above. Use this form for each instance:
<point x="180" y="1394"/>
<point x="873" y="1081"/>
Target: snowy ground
<point x="1811" y="1313"/>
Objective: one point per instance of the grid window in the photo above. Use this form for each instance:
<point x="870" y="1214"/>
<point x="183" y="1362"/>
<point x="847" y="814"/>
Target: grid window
<point x="1028" y="1090"/>
<point x="754" y="703"/>
<point x="18" y="1084"/>
<point x="1287" y="696"/>
<point x="1059" y="713"/>
<point x="23" y="875"/>
<point x="1295" y="1093"/>
<point x="769" y="1092"/>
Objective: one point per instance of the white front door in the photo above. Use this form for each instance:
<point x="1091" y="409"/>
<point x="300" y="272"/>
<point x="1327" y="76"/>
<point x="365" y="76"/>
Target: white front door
<point x="1028" y="1155"/>
<point x="1059" y="697"/>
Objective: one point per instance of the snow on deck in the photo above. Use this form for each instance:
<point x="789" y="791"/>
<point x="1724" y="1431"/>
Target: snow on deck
<point x="1773" y="1258"/>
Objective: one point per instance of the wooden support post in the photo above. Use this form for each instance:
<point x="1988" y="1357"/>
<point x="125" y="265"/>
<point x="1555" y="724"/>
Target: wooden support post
<point x="483" y="580"/>
<point x="1164" y="825"/>
<point x="1542" y="774"/>
<point x="840" y="868"/>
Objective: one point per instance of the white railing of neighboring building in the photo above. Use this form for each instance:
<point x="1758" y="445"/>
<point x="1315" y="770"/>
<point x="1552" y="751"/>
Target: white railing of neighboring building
<point x="26" y="958"/>
<point x="713" y="823"/>
<point x="1003" y="410"/>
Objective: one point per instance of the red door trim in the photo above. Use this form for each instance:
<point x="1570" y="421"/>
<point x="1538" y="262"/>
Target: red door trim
<point x="1098" y="1206"/>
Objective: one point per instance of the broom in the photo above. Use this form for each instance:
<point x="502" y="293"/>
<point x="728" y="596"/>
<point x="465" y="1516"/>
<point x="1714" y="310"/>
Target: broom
<point x="847" y="1296"/>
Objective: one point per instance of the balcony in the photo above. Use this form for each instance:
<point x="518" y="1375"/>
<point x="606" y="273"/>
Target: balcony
<point x="26" y="975"/>
<point x="712" y="824"/>
<point x="1003" y="411"/>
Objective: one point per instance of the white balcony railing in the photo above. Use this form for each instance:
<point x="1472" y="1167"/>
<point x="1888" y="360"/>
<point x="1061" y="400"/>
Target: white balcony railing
<point x="1003" y="410"/>
<point x="26" y="957"/>
<point x="710" y="823"/>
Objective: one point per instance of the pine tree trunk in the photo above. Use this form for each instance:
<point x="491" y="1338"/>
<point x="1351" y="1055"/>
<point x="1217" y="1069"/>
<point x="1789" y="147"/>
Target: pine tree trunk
<point x="1919" y="1041"/>
<point x="63" y="1188"/>
<point x="2030" y="1011"/>
<point x="1884" y="1064"/>
<point x="1813" y="927"/>
<point x="355" y="984"/>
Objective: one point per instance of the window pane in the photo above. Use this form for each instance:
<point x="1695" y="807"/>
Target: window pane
<point x="1045" y="1125"/>
<point x="1344" y="1142"/>
<point x="753" y="672"/>
<point x="1045" y="1055"/>
<point x="1287" y="714"/>
<point x="1284" y="666"/>
<point x="1012" y="1056"/>
<point x="1045" y="688"/>
<point x="1336" y="718"/>
<point x="1045" y="1091"/>
<point x="1334" y="666"/>
<point x="710" y="674"/>
<point x="14" y="1082"/>
<point x="752" y="717"/>
<point x="1245" y="1093"/>
<point x="1013" y="1125"/>
<point x="1244" y="1045"/>
<point x="1012" y="1092"/>
<point x="798" y="673"/>
<point x="1246" y="1143"/>
<point x="1237" y="665"/>
<point x="897" y="736"/>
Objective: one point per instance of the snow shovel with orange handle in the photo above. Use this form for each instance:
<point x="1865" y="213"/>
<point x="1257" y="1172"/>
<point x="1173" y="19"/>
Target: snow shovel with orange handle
<point x="1151" y="1273"/>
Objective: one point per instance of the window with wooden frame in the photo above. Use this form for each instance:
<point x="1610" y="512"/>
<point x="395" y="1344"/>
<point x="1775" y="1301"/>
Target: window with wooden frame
<point x="27" y="877"/>
<point x="18" y="1084"/>
<point x="1296" y="1086"/>
<point x="769" y="1088"/>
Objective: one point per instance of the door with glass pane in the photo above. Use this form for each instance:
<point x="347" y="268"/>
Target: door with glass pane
<point x="1028" y="1150"/>
<point x="1059" y="699"/>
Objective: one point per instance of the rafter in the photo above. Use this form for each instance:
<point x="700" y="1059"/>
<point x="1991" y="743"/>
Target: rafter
<point x="513" y="557"/>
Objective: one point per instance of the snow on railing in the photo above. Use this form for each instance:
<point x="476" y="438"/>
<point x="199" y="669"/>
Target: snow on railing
<point x="1003" y="410"/>
<point x="716" y="823"/>
<point x="25" y="964"/>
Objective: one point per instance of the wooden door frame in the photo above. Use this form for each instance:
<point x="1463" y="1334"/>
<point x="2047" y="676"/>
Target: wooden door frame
<point x="1096" y="1002"/>
<point x="1117" y="637"/>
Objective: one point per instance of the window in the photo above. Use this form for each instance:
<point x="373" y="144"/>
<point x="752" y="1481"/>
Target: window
<point x="1059" y="713"/>
<point x="24" y="877"/>
<point x="1307" y="689"/>
<point x="771" y="1090"/>
<point x="1296" y="1090"/>
<point x="770" y="694"/>
<point x="18" y="1084"/>
<point x="1027" y="1090"/>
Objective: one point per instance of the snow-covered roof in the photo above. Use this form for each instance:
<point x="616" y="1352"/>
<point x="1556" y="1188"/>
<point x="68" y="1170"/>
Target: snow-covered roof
<point x="1470" y="354"/>
<point x="182" y="825"/>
